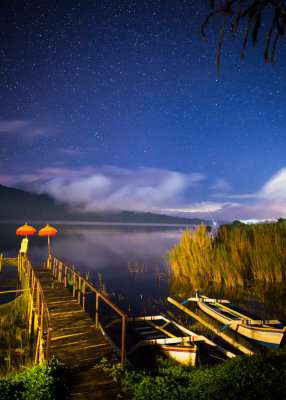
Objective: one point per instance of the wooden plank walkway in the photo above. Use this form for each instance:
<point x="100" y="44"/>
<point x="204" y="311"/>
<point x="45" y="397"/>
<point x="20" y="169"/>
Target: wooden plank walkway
<point x="77" y="343"/>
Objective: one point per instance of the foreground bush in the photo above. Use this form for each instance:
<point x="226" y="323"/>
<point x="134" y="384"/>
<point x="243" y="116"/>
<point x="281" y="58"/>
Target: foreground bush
<point x="47" y="381"/>
<point x="243" y="377"/>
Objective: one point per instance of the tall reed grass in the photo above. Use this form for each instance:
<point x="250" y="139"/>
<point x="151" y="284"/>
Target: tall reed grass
<point x="236" y="256"/>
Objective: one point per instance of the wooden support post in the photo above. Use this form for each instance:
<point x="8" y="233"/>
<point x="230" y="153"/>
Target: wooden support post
<point x="60" y="271"/>
<point x="66" y="271"/>
<point x="83" y="296"/>
<point x="38" y="299"/>
<point x="42" y="320"/>
<point x="31" y="317"/>
<point x="54" y="266"/>
<point x="79" y="290"/>
<point x="37" y="349"/>
<point x="123" y="344"/>
<point x="19" y="265"/>
<point x="96" y="311"/>
<point x="41" y="351"/>
<point x="28" y="271"/>
<point x="73" y="290"/>
<point x="48" y="344"/>
<point x="33" y="286"/>
<point x="36" y="323"/>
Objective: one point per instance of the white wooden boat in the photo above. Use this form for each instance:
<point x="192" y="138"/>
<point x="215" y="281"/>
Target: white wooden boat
<point x="265" y="332"/>
<point x="170" y="337"/>
<point x="159" y="330"/>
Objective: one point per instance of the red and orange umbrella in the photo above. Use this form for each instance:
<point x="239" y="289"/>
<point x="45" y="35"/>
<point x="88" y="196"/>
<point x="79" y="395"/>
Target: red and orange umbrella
<point x="48" y="231"/>
<point x="25" y="230"/>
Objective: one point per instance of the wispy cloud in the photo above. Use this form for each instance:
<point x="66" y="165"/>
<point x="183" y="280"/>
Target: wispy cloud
<point x="220" y="184"/>
<point x="114" y="189"/>
<point x="275" y="188"/>
<point x="204" y="207"/>
<point x="267" y="203"/>
<point x="109" y="188"/>
<point x="24" y="128"/>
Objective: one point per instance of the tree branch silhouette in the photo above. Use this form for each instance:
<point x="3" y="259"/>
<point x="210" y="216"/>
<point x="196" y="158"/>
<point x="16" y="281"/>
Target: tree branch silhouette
<point x="234" y="11"/>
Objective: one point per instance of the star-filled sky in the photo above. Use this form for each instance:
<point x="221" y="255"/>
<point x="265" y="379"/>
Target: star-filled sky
<point x="117" y="105"/>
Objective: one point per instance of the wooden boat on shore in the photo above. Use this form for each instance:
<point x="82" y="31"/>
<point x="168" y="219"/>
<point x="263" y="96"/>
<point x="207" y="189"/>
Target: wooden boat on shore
<point x="265" y="332"/>
<point x="160" y="331"/>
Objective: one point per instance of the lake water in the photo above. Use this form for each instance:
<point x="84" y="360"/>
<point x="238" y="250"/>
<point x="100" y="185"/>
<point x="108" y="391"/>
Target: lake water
<point x="129" y="259"/>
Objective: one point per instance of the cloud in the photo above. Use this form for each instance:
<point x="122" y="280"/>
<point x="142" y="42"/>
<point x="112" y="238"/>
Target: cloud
<point x="114" y="189"/>
<point x="24" y="128"/>
<point x="204" y="207"/>
<point x="266" y="204"/>
<point x="275" y="188"/>
<point x="109" y="188"/>
<point x="220" y="184"/>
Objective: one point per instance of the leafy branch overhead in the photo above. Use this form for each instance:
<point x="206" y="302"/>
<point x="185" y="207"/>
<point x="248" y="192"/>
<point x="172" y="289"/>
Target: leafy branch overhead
<point x="233" y="11"/>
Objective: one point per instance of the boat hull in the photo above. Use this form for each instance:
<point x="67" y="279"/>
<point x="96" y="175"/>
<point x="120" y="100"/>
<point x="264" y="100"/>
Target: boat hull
<point x="157" y="331"/>
<point x="263" y="334"/>
<point x="185" y="354"/>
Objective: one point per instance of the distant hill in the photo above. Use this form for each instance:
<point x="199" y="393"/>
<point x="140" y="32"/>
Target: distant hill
<point x="18" y="204"/>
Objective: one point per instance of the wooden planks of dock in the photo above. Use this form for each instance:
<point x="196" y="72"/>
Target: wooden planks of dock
<point x="77" y="343"/>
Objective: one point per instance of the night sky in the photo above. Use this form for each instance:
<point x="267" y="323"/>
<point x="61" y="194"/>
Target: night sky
<point x="113" y="105"/>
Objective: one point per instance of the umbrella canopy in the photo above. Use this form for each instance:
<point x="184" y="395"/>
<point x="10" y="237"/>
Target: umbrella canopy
<point x="25" y="230"/>
<point x="47" y="231"/>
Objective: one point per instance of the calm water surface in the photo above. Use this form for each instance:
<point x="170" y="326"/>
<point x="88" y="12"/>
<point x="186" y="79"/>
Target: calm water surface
<point x="130" y="259"/>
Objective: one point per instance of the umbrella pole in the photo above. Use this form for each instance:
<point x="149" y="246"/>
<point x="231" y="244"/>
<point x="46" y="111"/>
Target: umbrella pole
<point x="49" y="245"/>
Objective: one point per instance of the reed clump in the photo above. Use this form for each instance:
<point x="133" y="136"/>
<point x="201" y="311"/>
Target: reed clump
<point x="236" y="256"/>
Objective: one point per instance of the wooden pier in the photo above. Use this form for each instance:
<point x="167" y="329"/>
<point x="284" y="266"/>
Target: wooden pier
<point x="66" y="331"/>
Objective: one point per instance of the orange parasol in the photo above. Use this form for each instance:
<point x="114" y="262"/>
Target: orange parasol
<point x="48" y="231"/>
<point x="25" y="230"/>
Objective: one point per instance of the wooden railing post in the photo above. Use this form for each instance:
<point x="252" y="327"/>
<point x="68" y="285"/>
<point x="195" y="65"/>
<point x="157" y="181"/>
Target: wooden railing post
<point x="60" y="272"/>
<point x="55" y="267"/>
<point x="66" y="271"/>
<point x="73" y="290"/>
<point x="96" y="311"/>
<point x="123" y="344"/>
<point x="31" y="317"/>
<point x="49" y="262"/>
<point x="83" y="296"/>
<point x="48" y="344"/>
<point x="79" y="291"/>
<point x="42" y="320"/>
<point x="38" y="299"/>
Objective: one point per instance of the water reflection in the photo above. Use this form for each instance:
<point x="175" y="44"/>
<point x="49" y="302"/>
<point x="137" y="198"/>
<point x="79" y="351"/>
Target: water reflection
<point x="265" y="301"/>
<point x="130" y="258"/>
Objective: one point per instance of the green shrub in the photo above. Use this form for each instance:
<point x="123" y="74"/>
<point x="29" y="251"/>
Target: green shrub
<point x="243" y="377"/>
<point x="47" y="381"/>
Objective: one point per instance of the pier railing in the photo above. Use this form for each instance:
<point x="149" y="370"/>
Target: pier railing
<point x="38" y="312"/>
<point x="79" y="285"/>
<point x="8" y="261"/>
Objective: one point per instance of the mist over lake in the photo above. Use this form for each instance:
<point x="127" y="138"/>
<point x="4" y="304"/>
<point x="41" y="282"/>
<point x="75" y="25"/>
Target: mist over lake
<point x="127" y="256"/>
<point x="130" y="261"/>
